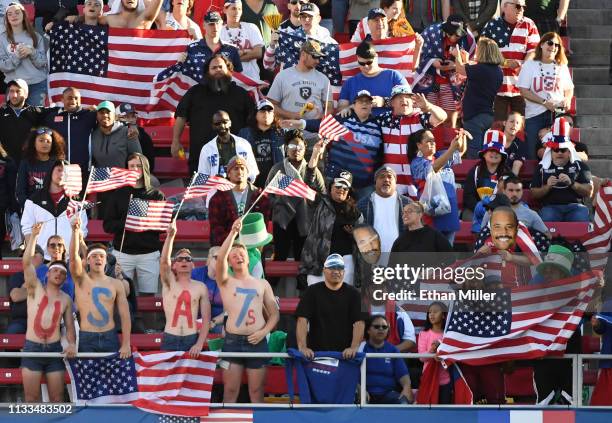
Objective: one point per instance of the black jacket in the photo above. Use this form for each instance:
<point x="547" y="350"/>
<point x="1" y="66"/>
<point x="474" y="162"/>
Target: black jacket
<point x="15" y="128"/>
<point x="8" y="174"/>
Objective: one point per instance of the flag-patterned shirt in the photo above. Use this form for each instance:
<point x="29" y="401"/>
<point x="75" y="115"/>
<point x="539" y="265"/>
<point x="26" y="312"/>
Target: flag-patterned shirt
<point x="514" y="43"/>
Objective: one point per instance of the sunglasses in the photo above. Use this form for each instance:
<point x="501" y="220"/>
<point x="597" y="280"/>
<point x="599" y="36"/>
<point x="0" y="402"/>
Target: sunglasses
<point x="560" y="150"/>
<point x="368" y="63"/>
<point x="41" y="131"/>
<point x="296" y="147"/>
<point x="336" y="269"/>
<point x="55" y="245"/>
<point x="380" y="327"/>
<point x="184" y="258"/>
<point x="341" y="187"/>
<point x="552" y="43"/>
<point x="297" y="2"/>
<point x="518" y="6"/>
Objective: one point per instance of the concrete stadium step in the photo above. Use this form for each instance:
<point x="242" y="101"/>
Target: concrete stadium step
<point x="594" y="106"/>
<point x="590" y="31"/>
<point x="591" y="75"/>
<point x="577" y="17"/>
<point x="594" y="121"/>
<point x="593" y="91"/>
<point x="588" y="59"/>
<point x="595" y="137"/>
<point x="590" y="4"/>
<point x="601" y="167"/>
<point x="594" y="46"/>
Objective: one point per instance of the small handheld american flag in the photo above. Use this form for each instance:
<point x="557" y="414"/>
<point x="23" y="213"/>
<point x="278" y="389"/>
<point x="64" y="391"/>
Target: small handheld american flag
<point x="109" y="178"/>
<point x="331" y="129"/>
<point x="203" y="184"/>
<point x="146" y="215"/>
<point x="72" y="180"/>
<point x="74" y="206"/>
<point x="286" y="185"/>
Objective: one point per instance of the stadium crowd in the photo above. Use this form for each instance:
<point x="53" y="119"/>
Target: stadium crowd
<point x="495" y="75"/>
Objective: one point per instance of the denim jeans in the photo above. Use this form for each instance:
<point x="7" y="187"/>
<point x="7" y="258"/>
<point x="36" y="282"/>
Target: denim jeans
<point x="37" y="93"/>
<point x="532" y="126"/>
<point x="17" y="326"/>
<point x="477" y="126"/>
<point x="178" y="343"/>
<point x="99" y="341"/>
<point x="574" y="212"/>
<point x="339" y="12"/>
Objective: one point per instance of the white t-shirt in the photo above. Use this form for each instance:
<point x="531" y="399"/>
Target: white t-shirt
<point x="172" y="23"/>
<point x="247" y="36"/>
<point x="293" y="89"/>
<point x="322" y="35"/>
<point x="547" y="81"/>
<point x="385" y="220"/>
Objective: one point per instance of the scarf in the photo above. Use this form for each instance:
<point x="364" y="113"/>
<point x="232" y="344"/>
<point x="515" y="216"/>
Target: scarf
<point x="291" y="171"/>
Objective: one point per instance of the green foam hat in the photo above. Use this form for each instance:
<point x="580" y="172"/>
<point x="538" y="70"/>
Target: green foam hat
<point x="254" y="233"/>
<point x="559" y="257"/>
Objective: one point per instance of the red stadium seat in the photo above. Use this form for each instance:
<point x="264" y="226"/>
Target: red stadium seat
<point x="520" y="383"/>
<point x="461" y="170"/>
<point x="591" y="344"/>
<point x="171" y="168"/>
<point x="162" y="136"/>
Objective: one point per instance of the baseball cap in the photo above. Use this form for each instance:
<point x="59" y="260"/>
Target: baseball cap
<point x="125" y="108"/>
<point x="313" y="48"/>
<point x="345" y="178"/>
<point x="212" y="17"/>
<point x="108" y="105"/>
<point x="454" y="25"/>
<point x="364" y="93"/>
<point x="334" y="261"/>
<point x="497" y="200"/>
<point x="375" y="13"/>
<point x="385" y="169"/>
<point x="400" y="89"/>
<point x="310" y="9"/>
<point x="264" y="103"/>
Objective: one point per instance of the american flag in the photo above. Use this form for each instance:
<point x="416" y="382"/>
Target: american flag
<point x="72" y="180"/>
<point x="526" y="323"/>
<point x="221" y="415"/>
<point x="74" y="206"/>
<point x="150" y="215"/>
<point x="331" y="129"/>
<point x="159" y="382"/>
<point x="203" y="184"/>
<point x="104" y="179"/>
<point x="113" y="64"/>
<point x="597" y="242"/>
<point x="286" y="185"/>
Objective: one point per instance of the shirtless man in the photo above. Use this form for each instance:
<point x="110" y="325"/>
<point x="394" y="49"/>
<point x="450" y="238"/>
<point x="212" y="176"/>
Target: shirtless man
<point x="138" y="14"/>
<point x="96" y="296"/>
<point x="46" y="305"/>
<point x="245" y="299"/>
<point x="182" y="298"/>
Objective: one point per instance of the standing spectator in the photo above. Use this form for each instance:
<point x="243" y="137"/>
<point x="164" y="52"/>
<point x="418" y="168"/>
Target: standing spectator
<point x="265" y="138"/>
<point x="486" y="172"/>
<point x="227" y="206"/>
<point x="517" y="38"/>
<point x="476" y="13"/>
<point x="56" y="250"/>
<point x="429" y="341"/>
<point x="372" y="78"/>
<point x="313" y="26"/>
<point x="126" y="113"/>
<point x="3" y="5"/>
<point x="137" y="252"/>
<point x="132" y="14"/>
<point x="514" y="147"/>
<point x="546" y="85"/>
<point x="384" y="375"/>
<point x="42" y="149"/>
<point x="561" y="182"/>
<point x="16" y="118"/>
<point x="207" y="275"/>
<point x="383" y="209"/>
<point x="49" y="205"/>
<point x="244" y="36"/>
<point x="292" y="216"/>
<point x="421" y="14"/>
<point x="409" y="113"/>
<point x="22" y="53"/>
<point x="254" y="11"/>
<point x="419" y="238"/>
<point x="8" y="176"/>
<point x="211" y="44"/>
<point x="218" y="152"/>
<point x="376" y="26"/>
<point x="329" y="316"/>
<point x="110" y="144"/>
<point x="215" y="92"/>
<point x="397" y="24"/>
<point x="484" y="78"/>
<point x="424" y="159"/>
<point x="547" y="14"/>
<point x="293" y="23"/>
<point x="178" y="18"/>
<point x="92" y="11"/>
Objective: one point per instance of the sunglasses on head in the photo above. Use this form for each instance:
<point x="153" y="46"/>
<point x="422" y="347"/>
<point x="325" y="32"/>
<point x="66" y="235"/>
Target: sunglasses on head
<point x="380" y="327"/>
<point x="184" y="258"/>
<point x="41" y="131"/>
<point x="367" y="63"/>
<point x="552" y="43"/>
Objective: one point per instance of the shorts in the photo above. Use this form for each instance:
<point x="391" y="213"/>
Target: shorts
<point x="444" y="98"/>
<point x="99" y="341"/>
<point x="143" y="269"/>
<point x="178" y="343"/>
<point x="39" y="364"/>
<point x="240" y="343"/>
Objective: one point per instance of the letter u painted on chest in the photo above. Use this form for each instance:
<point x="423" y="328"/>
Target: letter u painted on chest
<point x="96" y="292"/>
<point x="39" y="330"/>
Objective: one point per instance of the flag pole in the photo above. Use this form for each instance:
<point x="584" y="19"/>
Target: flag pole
<point x="85" y="192"/>
<point x="326" y="100"/>
<point x="183" y="199"/>
<point x="260" y="195"/>
<point x="123" y="236"/>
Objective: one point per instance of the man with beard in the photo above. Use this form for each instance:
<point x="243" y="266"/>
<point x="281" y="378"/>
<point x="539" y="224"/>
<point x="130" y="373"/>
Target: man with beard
<point x="132" y="14"/>
<point x="216" y="92"/>
<point x="216" y="154"/>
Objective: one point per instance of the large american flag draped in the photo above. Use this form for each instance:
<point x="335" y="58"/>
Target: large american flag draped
<point x="113" y="64"/>
<point x="159" y="382"/>
<point x="109" y="178"/>
<point x="597" y="242"/>
<point x="288" y="186"/>
<point x="527" y="323"/>
<point x="203" y="184"/>
<point x="149" y="215"/>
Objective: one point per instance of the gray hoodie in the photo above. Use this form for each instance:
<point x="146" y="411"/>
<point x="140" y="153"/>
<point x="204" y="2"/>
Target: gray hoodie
<point x="112" y="149"/>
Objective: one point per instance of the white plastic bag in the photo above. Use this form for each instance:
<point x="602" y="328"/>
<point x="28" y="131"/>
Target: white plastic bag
<point x="434" y="196"/>
<point x="13" y="228"/>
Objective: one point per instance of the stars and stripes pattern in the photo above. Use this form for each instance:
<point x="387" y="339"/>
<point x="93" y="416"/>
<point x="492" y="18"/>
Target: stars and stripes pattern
<point x="228" y="415"/>
<point x="149" y="215"/>
<point x="159" y="382"/>
<point x="72" y="180"/>
<point x="290" y="187"/>
<point x="514" y="44"/>
<point x="74" y="206"/>
<point x="104" y="179"/>
<point x="113" y="64"/>
<point x="597" y="242"/>
<point x="531" y="322"/>
<point x="203" y="184"/>
<point x="332" y="130"/>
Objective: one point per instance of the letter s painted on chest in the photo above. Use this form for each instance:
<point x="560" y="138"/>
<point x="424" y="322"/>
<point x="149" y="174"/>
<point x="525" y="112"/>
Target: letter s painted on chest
<point x="95" y="297"/>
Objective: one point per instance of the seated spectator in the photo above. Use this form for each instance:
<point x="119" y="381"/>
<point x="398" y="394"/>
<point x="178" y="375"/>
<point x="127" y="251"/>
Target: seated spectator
<point x="178" y="18"/>
<point x="292" y="216"/>
<point x="545" y="135"/>
<point x="227" y="206"/>
<point x="42" y="149"/>
<point x="137" y="252"/>
<point x="126" y="113"/>
<point x="475" y="13"/>
<point x="485" y="173"/>
<point x="218" y="152"/>
<point x="22" y="54"/>
<point x="330" y="231"/>
<point x="18" y="295"/>
<point x="561" y="182"/>
<point x="546" y="85"/>
<point x="49" y="205"/>
<point x="56" y="251"/>
<point x="316" y="329"/>
<point x="372" y="78"/>
<point x="384" y="375"/>
<point x="423" y="14"/>
<point x="132" y="14"/>
<point x="437" y="75"/>
<point x="265" y="138"/>
<point x="206" y="275"/>
<point x="602" y="325"/>
<point x="397" y="24"/>
<point x="8" y="176"/>
<point x="419" y="238"/>
<point x="245" y="36"/>
<point x="383" y="209"/>
<point x="16" y="118"/>
<point x="547" y="15"/>
<point x="483" y="81"/>
<point x="110" y="143"/>
<point x="514" y="147"/>
<point x="43" y="332"/>
<point x="429" y="341"/>
<point x="424" y="159"/>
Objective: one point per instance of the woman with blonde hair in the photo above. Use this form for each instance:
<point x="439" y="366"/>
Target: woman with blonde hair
<point x="483" y="81"/>
<point x="546" y="84"/>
